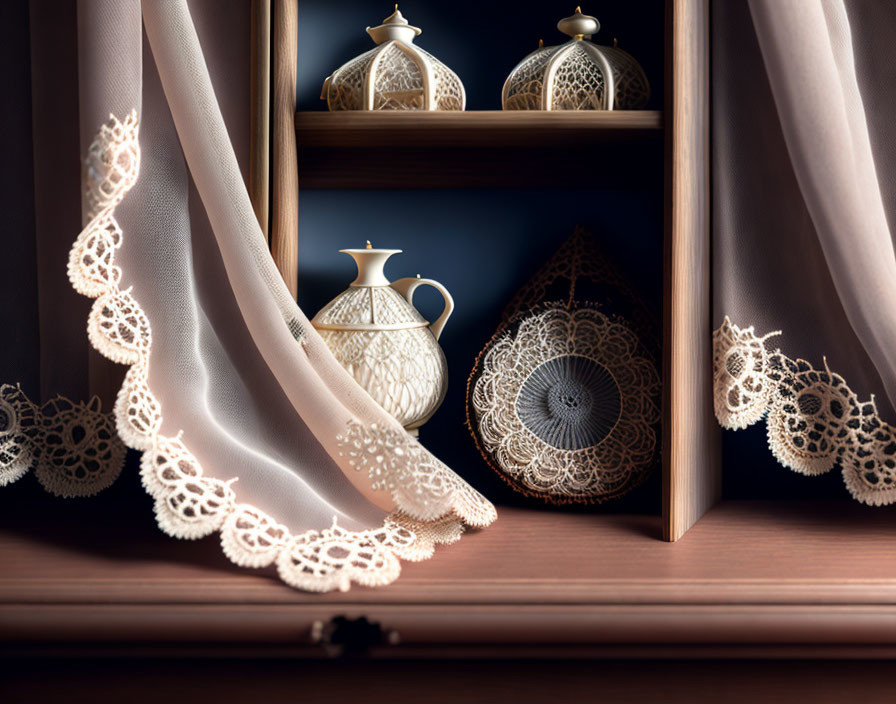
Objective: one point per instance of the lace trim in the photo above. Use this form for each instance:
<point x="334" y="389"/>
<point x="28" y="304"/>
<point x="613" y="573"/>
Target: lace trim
<point x="72" y="446"/>
<point x="418" y="482"/>
<point x="189" y="505"/>
<point x="813" y="419"/>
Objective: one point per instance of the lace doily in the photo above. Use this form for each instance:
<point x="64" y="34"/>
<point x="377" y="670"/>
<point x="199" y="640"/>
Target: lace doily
<point x="72" y="447"/>
<point x="188" y="504"/>
<point x="566" y="406"/>
<point x="813" y="419"/>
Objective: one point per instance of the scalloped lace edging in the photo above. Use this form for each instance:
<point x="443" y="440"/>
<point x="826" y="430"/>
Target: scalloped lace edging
<point x="813" y="419"/>
<point x="72" y="447"/>
<point x="190" y="505"/>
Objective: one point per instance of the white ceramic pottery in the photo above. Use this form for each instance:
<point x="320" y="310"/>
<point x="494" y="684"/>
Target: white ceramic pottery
<point x="384" y="342"/>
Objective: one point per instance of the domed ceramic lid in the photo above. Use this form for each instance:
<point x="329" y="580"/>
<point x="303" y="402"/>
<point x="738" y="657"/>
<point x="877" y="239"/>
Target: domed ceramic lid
<point x="395" y="26"/>
<point x="577" y="75"/>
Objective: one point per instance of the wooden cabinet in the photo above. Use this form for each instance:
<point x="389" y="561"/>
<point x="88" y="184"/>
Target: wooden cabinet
<point x="748" y="579"/>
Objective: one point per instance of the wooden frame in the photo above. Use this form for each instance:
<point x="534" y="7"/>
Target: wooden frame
<point x="260" y="115"/>
<point x="691" y="459"/>
<point x="285" y="192"/>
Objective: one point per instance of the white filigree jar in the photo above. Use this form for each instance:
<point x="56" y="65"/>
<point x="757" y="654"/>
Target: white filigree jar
<point x="577" y="75"/>
<point x="395" y="75"/>
<point x="377" y="334"/>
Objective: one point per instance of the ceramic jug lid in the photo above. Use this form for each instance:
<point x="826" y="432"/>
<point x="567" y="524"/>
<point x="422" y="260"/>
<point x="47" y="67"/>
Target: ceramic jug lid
<point x="395" y="26"/>
<point x="369" y="303"/>
<point x="579" y="26"/>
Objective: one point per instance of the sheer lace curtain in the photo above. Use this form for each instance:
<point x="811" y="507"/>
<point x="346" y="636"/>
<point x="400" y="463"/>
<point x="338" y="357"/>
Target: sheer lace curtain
<point x="804" y="266"/>
<point x="49" y="421"/>
<point x="246" y="423"/>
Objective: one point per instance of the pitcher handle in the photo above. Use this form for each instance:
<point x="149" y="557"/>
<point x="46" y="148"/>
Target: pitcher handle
<point x="406" y="288"/>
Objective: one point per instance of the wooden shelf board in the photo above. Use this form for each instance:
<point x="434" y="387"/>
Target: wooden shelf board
<point x="749" y="573"/>
<point x="488" y="149"/>
<point x="743" y="552"/>
<point x="492" y="128"/>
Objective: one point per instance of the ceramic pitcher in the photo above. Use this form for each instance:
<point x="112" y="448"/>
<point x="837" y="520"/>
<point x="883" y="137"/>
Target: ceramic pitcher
<point x="384" y="342"/>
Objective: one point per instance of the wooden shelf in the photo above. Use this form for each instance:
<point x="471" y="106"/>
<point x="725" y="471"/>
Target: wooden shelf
<point x="750" y="578"/>
<point x="486" y="149"/>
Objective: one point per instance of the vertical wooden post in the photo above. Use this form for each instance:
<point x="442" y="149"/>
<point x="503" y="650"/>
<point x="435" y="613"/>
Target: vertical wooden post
<point x="285" y="205"/>
<point x="260" y="117"/>
<point x="691" y="465"/>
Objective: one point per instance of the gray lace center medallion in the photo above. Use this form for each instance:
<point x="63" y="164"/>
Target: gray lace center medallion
<point x="570" y="402"/>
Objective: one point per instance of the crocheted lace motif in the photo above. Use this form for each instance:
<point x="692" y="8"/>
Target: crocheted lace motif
<point x="72" y="447"/>
<point x="189" y="504"/>
<point x="567" y="404"/>
<point x="813" y="419"/>
<point x="397" y="463"/>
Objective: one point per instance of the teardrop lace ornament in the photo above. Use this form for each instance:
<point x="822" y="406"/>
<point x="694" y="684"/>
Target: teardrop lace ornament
<point x="813" y="419"/>
<point x="187" y="503"/>
<point x="251" y="538"/>
<point x="118" y="328"/>
<point x="90" y="266"/>
<point x="194" y="508"/>
<point x="138" y="414"/>
<point x="112" y="164"/>
<point x="334" y="558"/>
<point x="166" y="464"/>
<point x="740" y="360"/>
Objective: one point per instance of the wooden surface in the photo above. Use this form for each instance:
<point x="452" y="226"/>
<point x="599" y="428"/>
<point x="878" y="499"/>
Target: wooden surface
<point x="139" y="681"/>
<point x="691" y="462"/>
<point x="479" y="149"/>
<point x="774" y="578"/>
<point x="260" y="115"/>
<point x="482" y="128"/>
<point x="285" y="191"/>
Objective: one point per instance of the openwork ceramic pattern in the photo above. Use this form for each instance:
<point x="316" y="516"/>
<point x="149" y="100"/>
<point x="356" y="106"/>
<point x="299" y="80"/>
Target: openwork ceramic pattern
<point x="577" y="75"/>
<point x="396" y="75"/>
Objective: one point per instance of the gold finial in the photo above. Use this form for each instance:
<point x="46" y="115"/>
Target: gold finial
<point x="369" y="246"/>
<point x="541" y="43"/>
<point x="578" y="9"/>
<point x="396" y="7"/>
<point x="615" y="43"/>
